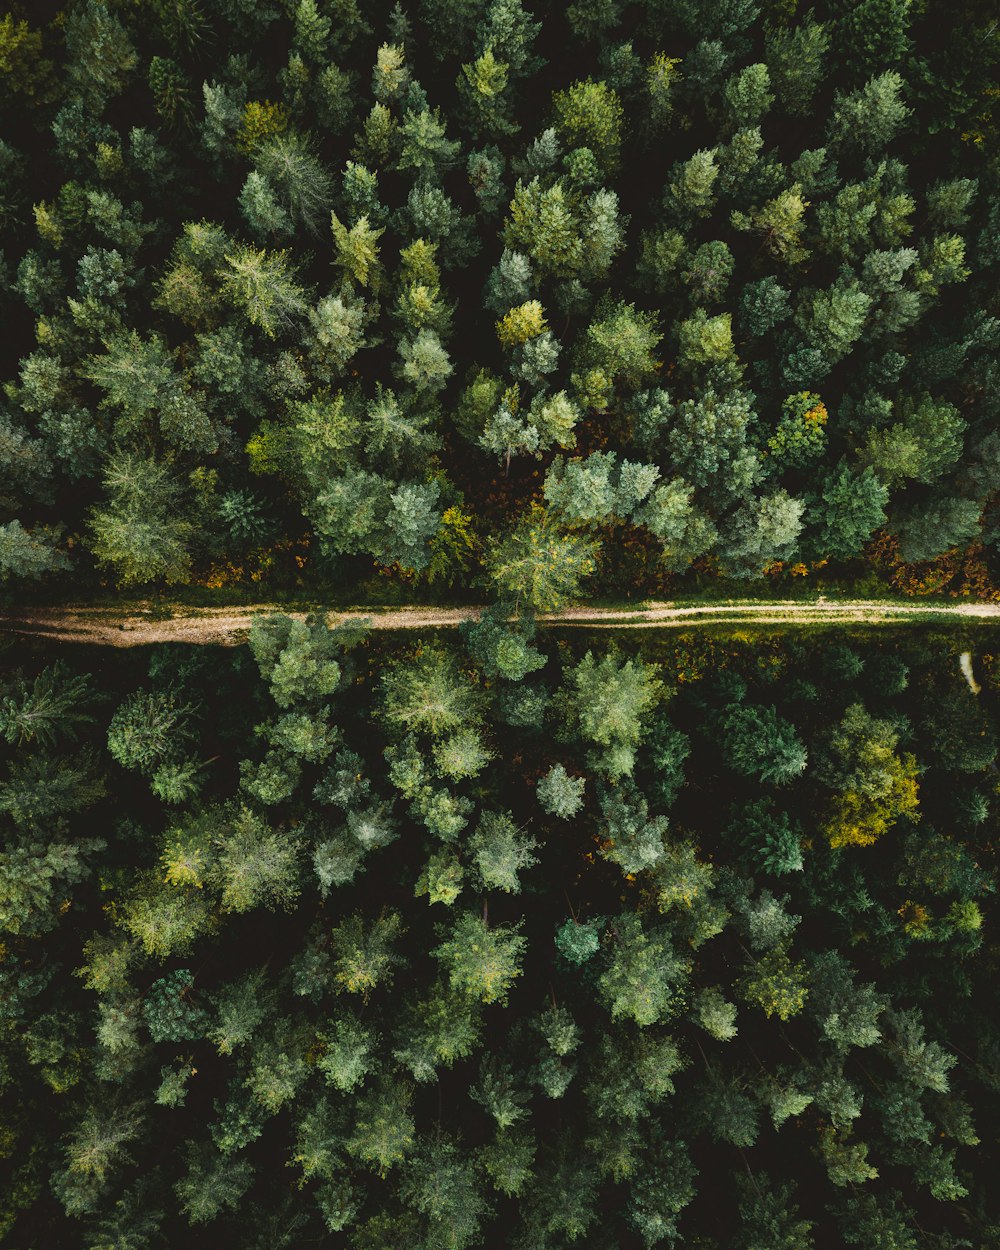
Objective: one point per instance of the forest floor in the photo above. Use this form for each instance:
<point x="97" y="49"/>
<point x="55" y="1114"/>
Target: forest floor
<point x="140" y="626"/>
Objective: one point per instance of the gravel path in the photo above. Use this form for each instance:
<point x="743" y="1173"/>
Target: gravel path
<point x="229" y="626"/>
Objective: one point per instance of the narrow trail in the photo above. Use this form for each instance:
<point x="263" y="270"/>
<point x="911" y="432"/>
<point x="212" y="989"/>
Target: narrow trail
<point x="229" y="626"/>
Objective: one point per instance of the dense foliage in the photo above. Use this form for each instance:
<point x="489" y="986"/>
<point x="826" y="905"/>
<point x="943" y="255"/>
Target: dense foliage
<point x="503" y="941"/>
<point x="551" y="299"/>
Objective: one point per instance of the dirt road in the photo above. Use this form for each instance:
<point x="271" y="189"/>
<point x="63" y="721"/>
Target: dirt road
<point x="229" y="626"/>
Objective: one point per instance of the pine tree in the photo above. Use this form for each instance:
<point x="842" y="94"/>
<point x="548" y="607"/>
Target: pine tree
<point x="605" y="702"/>
<point x="871" y="117"/>
<point x="589" y="114"/>
<point x="796" y="58"/>
<point x="260" y="285"/>
<point x="429" y="695"/>
<point x="559" y="794"/>
<point x="482" y="962"/>
<point x="537" y="564"/>
<point x="53" y="704"/>
<point x="148" y="729"/>
<point x="644" y="975"/>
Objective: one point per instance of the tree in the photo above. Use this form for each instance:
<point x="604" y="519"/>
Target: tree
<point x="617" y="348"/>
<point x="562" y="1200"/>
<point x="848" y="1014"/>
<point x="868" y="1220"/>
<point x="748" y="96"/>
<point x="948" y="202"/>
<point x="483" y="86"/>
<point x="709" y="272"/>
<point x="149" y="729"/>
<point x="362" y="955"/>
<point x="631" y="838"/>
<point x="170" y="1013"/>
<point x="350" y="513"/>
<point x="707" y="441"/>
<point x="461" y="755"/>
<point x="254" y="866"/>
<point x="766" y="921"/>
<point x="443" y="1186"/>
<point x="396" y="434"/>
<point x="240" y="1007"/>
<point x="800" y="436"/>
<point x="29" y="554"/>
<point x="412" y="521"/>
<point x="429" y="695"/>
<point x="336" y="334"/>
<point x="873" y="35"/>
<point x="500" y="851"/>
<point x="299" y="178"/>
<point x="849" y="508"/>
<point x="439" y="1028"/>
<point x="776" y="983"/>
<point x="141" y="531"/>
<point x="760" y="743"/>
<point x="511" y="428"/>
<point x="605" y="701"/>
<point x="97" y="1144"/>
<point x="644" y="975"/>
<point x="880" y="205"/>
<point x="51" y="705"/>
<point x="522" y="323"/>
<point x="357" y="251"/>
<point x="764" y="304"/>
<point x="347" y="1054"/>
<point x="542" y="226"/>
<point x="780" y="225"/>
<point x="770" y="838"/>
<point x="715" y="1015"/>
<point x="589" y="114"/>
<point x="537" y="564"/>
<point x="508" y="1160"/>
<point x="298" y="658"/>
<point x="559" y="794"/>
<point x="213" y="1183"/>
<point x="667" y="750"/>
<point x="846" y="1161"/>
<point x="426" y="365"/>
<point x="598" y="489"/>
<point x="165" y="921"/>
<point x="481" y="962"/>
<point x="939" y="523"/>
<point x="502" y="650"/>
<point x="34" y="878"/>
<point x="260" y="285"/>
<point x="259" y="205"/>
<point x="100" y="54"/>
<point x="424" y="146"/>
<point x="795" y="60"/>
<point x="671" y="515"/>
<point x="442" y="879"/>
<point x="830" y="322"/>
<point x="662" y="1190"/>
<point x="761" y="532"/>
<point x="872" y="785"/>
<point x="770" y="1217"/>
<point x="577" y="942"/>
<point x="690" y="191"/>
<point x="920" y="446"/>
<point x="25" y="72"/>
<point x="870" y="117"/>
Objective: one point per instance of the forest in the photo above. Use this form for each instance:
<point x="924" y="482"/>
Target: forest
<point x="464" y="297"/>
<point x="502" y="939"/>
<point x="494" y="929"/>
